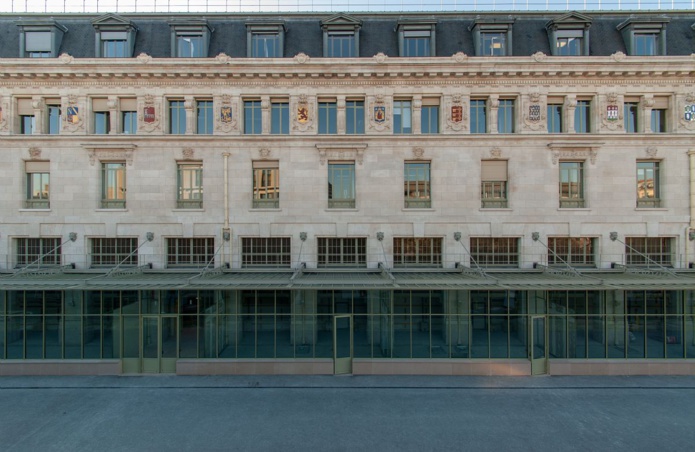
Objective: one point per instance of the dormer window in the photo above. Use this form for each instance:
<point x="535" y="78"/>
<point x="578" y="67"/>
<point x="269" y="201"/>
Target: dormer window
<point x="492" y="38"/>
<point x="644" y="36"/>
<point x="265" y="39"/>
<point x="569" y="35"/>
<point x="114" y="37"/>
<point x="341" y="36"/>
<point x="190" y="38"/>
<point x="40" y="38"/>
<point x="416" y="38"/>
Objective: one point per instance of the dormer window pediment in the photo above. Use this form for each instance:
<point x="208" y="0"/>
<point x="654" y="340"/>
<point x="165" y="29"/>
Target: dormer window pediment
<point x="114" y="36"/>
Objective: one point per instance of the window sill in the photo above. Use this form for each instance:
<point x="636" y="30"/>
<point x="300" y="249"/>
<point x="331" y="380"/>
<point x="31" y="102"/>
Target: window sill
<point x="188" y="210"/>
<point x="652" y="209"/>
<point x="340" y="209"/>
<point x="578" y="209"/>
<point x="495" y="209"/>
<point x="265" y="209"/>
<point x="35" y="210"/>
<point x="110" y="210"/>
<point x="418" y="209"/>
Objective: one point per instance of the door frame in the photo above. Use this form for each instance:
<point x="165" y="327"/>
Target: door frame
<point x="342" y="365"/>
<point x="160" y="363"/>
<point x="539" y="364"/>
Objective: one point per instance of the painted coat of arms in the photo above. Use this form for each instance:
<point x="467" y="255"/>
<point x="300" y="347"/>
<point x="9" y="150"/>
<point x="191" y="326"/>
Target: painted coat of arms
<point x="73" y="116"/>
<point x="612" y="112"/>
<point x="226" y="115"/>
<point x="379" y="114"/>
<point x="149" y="115"/>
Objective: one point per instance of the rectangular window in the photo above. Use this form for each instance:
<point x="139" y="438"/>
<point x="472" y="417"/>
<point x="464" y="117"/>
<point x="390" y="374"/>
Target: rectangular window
<point x="493" y="190"/>
<point x="416" y="43"/>
<point x="341" y="185"/>
<point x="417" y="252"/>
<point x="494" y="44"/>
<point x="416" y="181"/>
<point x="402" y="116"/>
<point x="38" y="252"/>
<point x="37" y="44"/>
<point x="129" y="116"/>
<point x="354" y="117"/>
<point x="571" y="250"/>
<point x="582" y="117"/>
<point x="38" y="185"/>
<point x="648" y="250"/>
<point x="114" y="251"/>
<point x="568" y="45"/>
<point x="252" y="117"/>
<point x="54" y="115"/>
<point x="505" y="116"/>
<point x="190" y="186"/>
<point x="130" y="122"/>
<point x="571" y="184"/>
<point x="328" y="119"/>
<point x="342" y="252"/>
<point x="114" y="45"/>
<point x="478" y="116"/>
<point x="102" y="122"/>
<point x="630" y="116"/>
<point x="190" y="46"/>
<point x="196" y="252"/>
<point x="113" y="186"/>
<point x="27" y="124"/>
<point x="266" y="185"/>
<point x="554" y="118"/>
<point x="646" y="44"/>
<point x="177" y="117"/>
<point x="341" y="44"/>
<point x="429" y="116"/>
<point x="658" y="124"/>
<point x="648" y="184"/>
<point x="204" y="119"/>
<point x="265" y="45"/>
<point x="494" y="251"/>
<point x="267" y="252"/>
<point x="280" y="118"/>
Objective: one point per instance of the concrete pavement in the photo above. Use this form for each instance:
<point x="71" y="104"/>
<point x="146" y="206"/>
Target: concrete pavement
<point x="347" y="413"/>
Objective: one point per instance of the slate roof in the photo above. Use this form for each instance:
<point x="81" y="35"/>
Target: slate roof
<point x="377" y="34"/>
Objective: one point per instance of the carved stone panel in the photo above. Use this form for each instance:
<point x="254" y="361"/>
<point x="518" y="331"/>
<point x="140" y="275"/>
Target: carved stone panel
<point x="456" y="113"/>
<point x="303" y="113"/>
<point x="534" y="111"/>
<point x="149" y="114"/>
<point x="379" y="113"/>
<point x="73" y="118"/>
<point x="226" y="114"/>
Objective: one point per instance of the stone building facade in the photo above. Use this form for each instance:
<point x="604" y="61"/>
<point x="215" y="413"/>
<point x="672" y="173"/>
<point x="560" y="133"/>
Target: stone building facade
<point x="441" y="194"/>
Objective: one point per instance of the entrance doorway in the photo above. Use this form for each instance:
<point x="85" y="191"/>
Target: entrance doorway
<point x="342" y="344"/>
<point x="159" y="341"/>
<point x="538" y="350"/>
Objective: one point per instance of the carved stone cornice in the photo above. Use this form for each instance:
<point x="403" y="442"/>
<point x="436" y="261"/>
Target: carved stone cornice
<point x="574" y="150"/>
<point x="110" y="151"/>
<point x="341" y="151"/>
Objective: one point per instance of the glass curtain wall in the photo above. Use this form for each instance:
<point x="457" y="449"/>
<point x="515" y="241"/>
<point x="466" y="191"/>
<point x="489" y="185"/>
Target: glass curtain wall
<point x="250" y="324"/>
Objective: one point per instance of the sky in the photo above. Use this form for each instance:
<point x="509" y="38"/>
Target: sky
<point x="232" y="6"/>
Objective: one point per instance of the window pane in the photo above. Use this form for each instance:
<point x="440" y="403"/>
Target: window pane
<point x="204" y="120"/>
<point x="554" y="118"/>
<point x="354" y="117"/>
<point x="478" y="116"/>
<point x="280" y="118"/>
<point x="402" y="119"/>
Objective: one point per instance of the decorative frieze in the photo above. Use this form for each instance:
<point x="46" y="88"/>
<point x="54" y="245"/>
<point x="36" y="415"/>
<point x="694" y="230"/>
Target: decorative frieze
<point x="341" y="151"/>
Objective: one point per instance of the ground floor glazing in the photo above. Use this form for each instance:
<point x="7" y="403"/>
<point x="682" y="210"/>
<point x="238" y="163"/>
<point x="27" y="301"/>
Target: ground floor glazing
<point x="412" y="324"/>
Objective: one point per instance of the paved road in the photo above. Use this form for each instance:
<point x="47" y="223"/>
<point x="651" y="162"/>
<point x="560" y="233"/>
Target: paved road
<point x="347" y="413"/>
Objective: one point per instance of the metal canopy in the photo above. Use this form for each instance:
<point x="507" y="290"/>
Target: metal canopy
<point x="350" y="279"/>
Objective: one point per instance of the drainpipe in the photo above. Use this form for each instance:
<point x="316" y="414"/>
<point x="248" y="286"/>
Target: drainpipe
<point x="691" y="228"/>
<point x="226" y="232"/>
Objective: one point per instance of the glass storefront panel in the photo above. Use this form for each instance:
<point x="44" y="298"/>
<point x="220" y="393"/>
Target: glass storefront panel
<point x="518" y="336"/>
<point x="52" y="337"/>
<point x="284" y="348"/>
<point x="656" y="336"/>
<point x="557" y="335"/>
<point x="15" y="337"/>
<point x="674" y="337"/>
<point x="131" y="336"/>
<point x="33" y="337"/>
<point x="91" y="337"/>
<point x="596" y="336"/>
<point x="480" y="340"/>
<point x="615" y="336"/>
<point x="363" y="335"/>
<point x="324" y="337"/>
<point x="636" y="337"/>
<point x="3" y="321"/>
<point x="169" y="300"/>
<point x="577" y="334"/>
<point x="111" y="336"/>
<point x="150" y="301"/>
